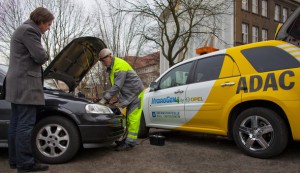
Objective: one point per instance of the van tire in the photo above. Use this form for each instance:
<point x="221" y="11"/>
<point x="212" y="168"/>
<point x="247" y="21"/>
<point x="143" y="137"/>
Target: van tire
<point x="260" y="132"/>
<point x="143" y="130"/>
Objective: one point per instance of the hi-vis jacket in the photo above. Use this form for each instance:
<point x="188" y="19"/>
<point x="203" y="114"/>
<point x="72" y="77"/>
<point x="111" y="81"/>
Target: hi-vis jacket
<point x="125" y="83"/>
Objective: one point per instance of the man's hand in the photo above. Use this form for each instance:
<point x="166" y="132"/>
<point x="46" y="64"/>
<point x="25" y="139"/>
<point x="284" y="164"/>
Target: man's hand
<point x="103" y="101"/>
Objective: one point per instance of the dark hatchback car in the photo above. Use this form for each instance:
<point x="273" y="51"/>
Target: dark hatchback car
<point x="66" y="123"/>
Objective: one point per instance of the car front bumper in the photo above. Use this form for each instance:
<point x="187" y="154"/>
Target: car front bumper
<point x="104" y="132"/>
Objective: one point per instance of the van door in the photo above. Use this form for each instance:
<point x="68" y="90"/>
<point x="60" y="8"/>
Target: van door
<point x="212" y="90"/>
<point x="290" y="30"/>
<point x="166" y="107"/>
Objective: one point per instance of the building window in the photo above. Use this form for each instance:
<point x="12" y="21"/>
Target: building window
<point x="245" y="5"/>
<point x="284" y="14"/>
<point x="245" y="33"/>
<point x="254" y="34"/>
<point x="277" y="13"/>
<point x="264" y="8"/>
<point x="255" y="6"/>
<point x="264" y="34"/>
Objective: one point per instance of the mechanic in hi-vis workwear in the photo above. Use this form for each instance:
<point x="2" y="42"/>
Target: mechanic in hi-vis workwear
<point x="129" y="89"/>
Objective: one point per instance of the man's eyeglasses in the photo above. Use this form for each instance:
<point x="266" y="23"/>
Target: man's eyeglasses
<point x="101" y="59"/>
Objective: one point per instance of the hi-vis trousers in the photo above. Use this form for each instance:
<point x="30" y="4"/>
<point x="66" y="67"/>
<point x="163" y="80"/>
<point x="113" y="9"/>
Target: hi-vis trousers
<point x="133" y="116"/>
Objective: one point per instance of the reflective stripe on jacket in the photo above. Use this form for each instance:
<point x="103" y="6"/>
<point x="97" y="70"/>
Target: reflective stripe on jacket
<point x="125" y="83"/>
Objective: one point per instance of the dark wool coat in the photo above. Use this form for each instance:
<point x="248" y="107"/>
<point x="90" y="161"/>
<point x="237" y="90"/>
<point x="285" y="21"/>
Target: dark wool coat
<point x="24" y="83"/>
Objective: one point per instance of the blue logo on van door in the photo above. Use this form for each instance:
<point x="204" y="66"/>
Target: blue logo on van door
<point x="153" y="114"/>
<point x="165" y="100"/>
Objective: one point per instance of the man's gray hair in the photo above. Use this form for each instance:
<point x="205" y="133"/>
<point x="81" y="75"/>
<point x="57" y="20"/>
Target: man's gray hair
<point x="104" y="52"/>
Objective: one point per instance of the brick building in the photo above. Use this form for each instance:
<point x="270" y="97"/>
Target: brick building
<point x="257" y="20"/>
<point x="147" y="67"/>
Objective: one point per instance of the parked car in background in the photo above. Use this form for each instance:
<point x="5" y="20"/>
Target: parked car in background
<point x="66" y="123"/>
<point x="250" y="93"/>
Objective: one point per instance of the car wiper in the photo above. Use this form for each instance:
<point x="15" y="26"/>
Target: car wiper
<point x="50" y="89"/>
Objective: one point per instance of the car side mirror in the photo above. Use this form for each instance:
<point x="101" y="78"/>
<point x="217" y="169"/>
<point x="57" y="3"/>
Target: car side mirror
<point x="153" y="86"/>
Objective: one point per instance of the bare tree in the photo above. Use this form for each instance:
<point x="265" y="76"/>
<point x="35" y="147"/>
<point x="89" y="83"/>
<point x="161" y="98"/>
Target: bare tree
<point x="70" y="22"/>
<point x="173" y="23"/>
<point x="121" y="32"/>
<point x="11" y="16"/>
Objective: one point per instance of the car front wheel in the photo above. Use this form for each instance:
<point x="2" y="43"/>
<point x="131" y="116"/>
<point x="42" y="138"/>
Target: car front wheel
<point x="260" y="132"/>
<point x="55" y="140"/>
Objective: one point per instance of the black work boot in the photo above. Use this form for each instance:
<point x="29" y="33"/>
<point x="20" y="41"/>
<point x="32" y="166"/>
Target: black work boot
<point x="124" y="147"/>
<point x="118" y="143"/>
<point x="34" y="168"/>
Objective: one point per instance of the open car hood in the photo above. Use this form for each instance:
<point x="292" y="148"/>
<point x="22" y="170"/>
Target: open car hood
<point x="75" y="61"/>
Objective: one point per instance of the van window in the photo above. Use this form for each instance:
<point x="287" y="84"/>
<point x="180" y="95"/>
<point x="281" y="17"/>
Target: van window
<point x="269" y="58"/>
<point x="176" y="77"/>
<point x="208" y="68"/>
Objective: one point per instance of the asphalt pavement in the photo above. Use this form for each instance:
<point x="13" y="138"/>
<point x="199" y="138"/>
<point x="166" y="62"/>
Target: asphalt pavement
<point x="182" y="153"/>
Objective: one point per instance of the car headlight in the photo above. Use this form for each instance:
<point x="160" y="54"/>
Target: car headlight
<point x="98" y="109"/>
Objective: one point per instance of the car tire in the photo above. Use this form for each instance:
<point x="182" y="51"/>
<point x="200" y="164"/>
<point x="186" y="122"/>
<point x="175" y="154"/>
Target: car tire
<point x="143" y="130"/>
<point x="260" y="132"/>
<point x="55" y="140"/>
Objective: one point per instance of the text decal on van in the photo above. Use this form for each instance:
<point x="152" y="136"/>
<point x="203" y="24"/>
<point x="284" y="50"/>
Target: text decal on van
<point x="257" y="83"/>
<point x="165" y="100"/>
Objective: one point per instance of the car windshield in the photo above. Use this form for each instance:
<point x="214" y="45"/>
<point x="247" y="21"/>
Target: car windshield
<point x="51" y="84"/>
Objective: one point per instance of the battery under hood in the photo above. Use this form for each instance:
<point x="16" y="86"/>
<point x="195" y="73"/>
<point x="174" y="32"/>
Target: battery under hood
<point x="75" y="61"/>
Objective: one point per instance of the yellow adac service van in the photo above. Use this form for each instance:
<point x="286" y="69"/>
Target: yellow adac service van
<point x="249" y="93"/>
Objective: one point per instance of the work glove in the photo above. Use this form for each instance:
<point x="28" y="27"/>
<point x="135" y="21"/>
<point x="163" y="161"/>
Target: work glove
<point x="103" y="101"/>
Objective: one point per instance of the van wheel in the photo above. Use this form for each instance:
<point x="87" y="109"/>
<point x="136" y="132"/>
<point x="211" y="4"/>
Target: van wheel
<point x="55" y="140"/>
<point x="143" y="130"/>
<point x="260" y="132"/>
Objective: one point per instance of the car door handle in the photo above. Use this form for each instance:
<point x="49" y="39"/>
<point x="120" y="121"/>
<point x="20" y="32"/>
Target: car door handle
<point x="178" y="92"/>
<point x="227" y="84"/>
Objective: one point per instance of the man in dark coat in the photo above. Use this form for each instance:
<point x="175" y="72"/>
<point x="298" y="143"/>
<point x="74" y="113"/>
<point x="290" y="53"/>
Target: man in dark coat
<point x="24" y="87"/>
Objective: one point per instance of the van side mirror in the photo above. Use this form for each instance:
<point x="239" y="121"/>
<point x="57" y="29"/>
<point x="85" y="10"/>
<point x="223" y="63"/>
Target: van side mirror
<point x="153" y="86"/>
